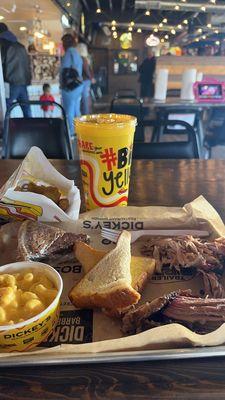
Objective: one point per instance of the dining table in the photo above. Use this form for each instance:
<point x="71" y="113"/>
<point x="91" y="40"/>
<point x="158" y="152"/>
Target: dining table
<point x="156" y="182"/>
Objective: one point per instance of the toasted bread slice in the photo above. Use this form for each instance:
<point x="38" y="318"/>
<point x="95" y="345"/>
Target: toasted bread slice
<point x="141" y="268"/>
<point x="108" y="284"/>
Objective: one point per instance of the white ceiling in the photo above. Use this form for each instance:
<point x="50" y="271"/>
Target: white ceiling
<point x="18" y="13"/>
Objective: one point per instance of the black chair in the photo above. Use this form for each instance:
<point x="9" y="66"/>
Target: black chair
<point x="51" y="135"/>
<point x="168" y="150"/>
<point x="131" y="105"/>
<point x="171" y="113"/>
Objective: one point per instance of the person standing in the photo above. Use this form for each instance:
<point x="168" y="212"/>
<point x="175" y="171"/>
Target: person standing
<point x="16" y="68"/>
<point x="147" y="71"/>
<point x="71" y="98"/>
<point x="88" y="78"/>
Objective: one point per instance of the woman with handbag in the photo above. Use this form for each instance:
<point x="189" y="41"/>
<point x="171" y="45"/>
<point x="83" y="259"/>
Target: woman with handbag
<point x="71" y="79"/>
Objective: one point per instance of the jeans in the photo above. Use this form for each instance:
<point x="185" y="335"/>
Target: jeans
<point x="71" y="103"/>
<point x="19" y="93"/>
<point x="86" y="97"/>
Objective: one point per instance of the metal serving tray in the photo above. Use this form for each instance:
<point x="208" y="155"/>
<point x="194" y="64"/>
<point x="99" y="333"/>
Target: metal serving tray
<point x="146" y="355"/>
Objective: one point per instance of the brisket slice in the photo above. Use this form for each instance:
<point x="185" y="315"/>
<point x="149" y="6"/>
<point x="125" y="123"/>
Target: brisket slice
<point x="200" y="315"/>
<point x="38" y="242"/>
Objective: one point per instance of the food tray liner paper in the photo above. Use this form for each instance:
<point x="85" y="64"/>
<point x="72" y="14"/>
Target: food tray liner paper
<point x="19" y="205"/>
<point x="94" y="332"/>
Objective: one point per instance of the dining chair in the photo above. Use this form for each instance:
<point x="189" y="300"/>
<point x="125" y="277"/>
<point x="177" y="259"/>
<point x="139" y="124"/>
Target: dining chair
<point x="168" y="150"/>
<point x="191" y="115"/>
<point x="51" y="135"/>
<point x="130" y="104"/>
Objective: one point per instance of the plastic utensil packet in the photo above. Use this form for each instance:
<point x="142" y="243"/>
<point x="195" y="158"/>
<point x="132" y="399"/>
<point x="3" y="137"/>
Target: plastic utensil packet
<point x="37" y="191"/>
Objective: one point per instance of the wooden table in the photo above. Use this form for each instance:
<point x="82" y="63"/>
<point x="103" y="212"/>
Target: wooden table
<point x="164" y="182"/>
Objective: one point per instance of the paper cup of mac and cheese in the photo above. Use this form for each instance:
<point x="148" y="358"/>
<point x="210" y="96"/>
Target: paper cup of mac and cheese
<point x="29" y="304"/>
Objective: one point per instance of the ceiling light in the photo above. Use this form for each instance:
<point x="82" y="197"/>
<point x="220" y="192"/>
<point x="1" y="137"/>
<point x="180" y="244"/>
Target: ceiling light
<point x="185" y="21"/>
<point x="162" y="40"/>
<point x="139" y="30"/>
<point x="147" y="12"/>
<point x="209" y="25"/>
<point x="1" y="17"/>
<point x="156" y="30"/>
<point x="23" y="28"/>
<point x="161" y="25"/>
<point x="132" y="23"/>
<point x="176" y="7"/>
<point x="216" y="31"/>
<point x="217" y="42"/>
<point x="166" y="37"/>
<point x="38" y="35"/>
<point x="203" y="37"/>
<point x="113" y="22"/>
<point x="203" y="8"/>
<point x="152" y="41"/>
<point x="115" y="35"/>
<point x="68" y="4"/>
<point x="164" y="20"/>
<point x="130" y="29"/>
<point x="113" y="28"/>
<point x="199" y="30"/>
<point x="179" y="26"/>
<point x="98" y="11"/>
<point x="173" y="31"/>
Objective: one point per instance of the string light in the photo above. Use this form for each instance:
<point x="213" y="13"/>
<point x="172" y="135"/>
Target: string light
<point x="173" y="31"/>
<point x="185" y="21"/>
<point x="199" y="30"/>
<point x="132" y="23"/>
<point x="139" y="30"/>
<point x="197" y="40"/>
<point x="115" y="35"/>
<point x="203" y="8"/>
<point x="162" y="40"/>
<point x="113" y="22"/>
<point x="68" y="4"/>
<point x="98" y="11"/>
<point x="164" y="20"/>
<point x="166" y="37"/>
<point x="147" y="12"/>
<point x="216" y="31"/>
<point x="113" y="28"/>
<point x="209" y="25"/>
<point x="130" y="29"/>
<point x="203" y="37"/>
<point x="1" y="17"/>
<point x="183" y="1"/>
<point x="217" y="42"/>
<point x="23" y="28"/>
<point x="156" y="30"/>
<point x="180" y="26"/>
<point x="176" y="7"/>
<point x="161" y="25"/>
<point x="212" y="1"/>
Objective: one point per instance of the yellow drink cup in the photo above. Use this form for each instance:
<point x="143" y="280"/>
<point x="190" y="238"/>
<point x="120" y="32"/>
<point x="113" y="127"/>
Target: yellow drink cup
<point x="105" y="143"/>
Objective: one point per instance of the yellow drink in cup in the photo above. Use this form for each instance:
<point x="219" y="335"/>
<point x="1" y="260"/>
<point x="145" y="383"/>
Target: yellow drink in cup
<point x="105" y="143"/>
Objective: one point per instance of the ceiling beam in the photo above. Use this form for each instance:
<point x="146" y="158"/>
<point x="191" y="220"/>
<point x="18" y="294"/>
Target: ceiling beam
<point x="169" y="5"/>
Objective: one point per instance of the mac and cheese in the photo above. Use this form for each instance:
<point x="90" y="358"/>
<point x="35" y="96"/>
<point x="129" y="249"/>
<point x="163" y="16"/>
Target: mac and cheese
<point x="24" y="295"/>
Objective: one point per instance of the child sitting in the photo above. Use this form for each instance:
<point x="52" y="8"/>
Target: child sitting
<point x="46" y="96"/>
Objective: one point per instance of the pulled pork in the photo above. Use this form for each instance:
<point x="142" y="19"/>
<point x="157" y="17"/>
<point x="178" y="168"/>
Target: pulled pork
<point x="186" y="251"/>
<point x="200" y="315"/>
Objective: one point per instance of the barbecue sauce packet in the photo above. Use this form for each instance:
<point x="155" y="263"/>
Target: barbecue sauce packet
<point x="20" y="197"/>
<point x="82" y="334"/>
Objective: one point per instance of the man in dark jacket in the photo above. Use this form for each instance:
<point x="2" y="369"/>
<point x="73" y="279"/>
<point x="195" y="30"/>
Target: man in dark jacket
<point x="16" y="68"/>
